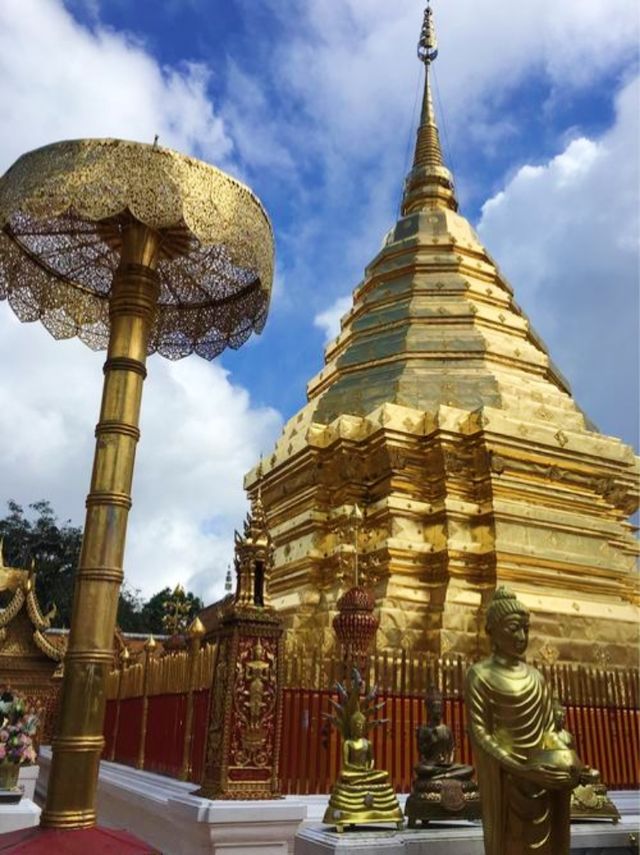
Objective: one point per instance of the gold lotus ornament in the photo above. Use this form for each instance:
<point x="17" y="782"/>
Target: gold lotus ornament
<point x="136" y="249"/>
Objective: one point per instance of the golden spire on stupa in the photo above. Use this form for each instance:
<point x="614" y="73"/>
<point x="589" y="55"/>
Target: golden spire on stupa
<point x="429" y="184"/>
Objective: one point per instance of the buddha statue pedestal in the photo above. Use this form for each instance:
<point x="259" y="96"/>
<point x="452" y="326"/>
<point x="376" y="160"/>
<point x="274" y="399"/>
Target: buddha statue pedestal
<point x="362" y="794"/>
<point x="589" y="800"/>
<point x="442" y="789"/>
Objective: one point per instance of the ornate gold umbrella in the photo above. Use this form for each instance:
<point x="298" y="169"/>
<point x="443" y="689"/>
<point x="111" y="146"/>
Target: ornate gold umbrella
<point x="137" y="249"/>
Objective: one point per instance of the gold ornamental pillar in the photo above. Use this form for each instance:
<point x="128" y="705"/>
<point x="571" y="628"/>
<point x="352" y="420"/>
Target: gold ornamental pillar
<point x="137" y="249"/>
<point x="78" y="743"/>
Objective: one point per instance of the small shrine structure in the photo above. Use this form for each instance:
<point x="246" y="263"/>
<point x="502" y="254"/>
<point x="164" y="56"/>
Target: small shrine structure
<point x="30" y="660"/>
<point x="245" y="717"/>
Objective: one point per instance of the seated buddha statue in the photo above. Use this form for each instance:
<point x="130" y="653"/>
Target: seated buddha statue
<point x="526" y="772"/>
<point x="362" y="794"/>
<point x="442" y="788"/>
<point x="589" y="800"/>
<point x="436" y="747"/>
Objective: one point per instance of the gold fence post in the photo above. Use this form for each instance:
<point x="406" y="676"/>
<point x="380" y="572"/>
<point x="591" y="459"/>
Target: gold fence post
<point x="149" y="647"/>
<point x="196" y="633"/>
<point x="124" y="662"/>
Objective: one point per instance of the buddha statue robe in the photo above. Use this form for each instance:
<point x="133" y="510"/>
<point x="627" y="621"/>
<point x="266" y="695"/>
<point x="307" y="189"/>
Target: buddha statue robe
<point x="511" y="726"/>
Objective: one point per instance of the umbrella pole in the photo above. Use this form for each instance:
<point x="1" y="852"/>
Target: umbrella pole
<point x="78" y="743"/>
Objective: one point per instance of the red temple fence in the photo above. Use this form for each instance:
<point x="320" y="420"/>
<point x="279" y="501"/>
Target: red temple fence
<point x="149" y="702"/>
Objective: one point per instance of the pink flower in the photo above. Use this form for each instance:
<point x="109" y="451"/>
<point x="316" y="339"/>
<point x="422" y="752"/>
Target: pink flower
<point x="3" y="751"/>
<point x="4" y="735"/>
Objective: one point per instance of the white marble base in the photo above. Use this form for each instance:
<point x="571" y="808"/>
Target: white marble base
<point x="588" y="838"/>
<point x="27" y="777"/>
<point x="25" y="814"/>
<point x="162" y="812"/>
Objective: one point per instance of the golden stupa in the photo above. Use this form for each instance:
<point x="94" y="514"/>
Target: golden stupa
<point x="440" y="412"/>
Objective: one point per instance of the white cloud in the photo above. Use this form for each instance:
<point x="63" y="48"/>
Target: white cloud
<point x="62" y="81"/>
<point x="566" y="234"/>
<point x="351" y="67"/>
<point x="329" y="319"/>
<point x="199" y="435"/>
<point x="340" y="80"/>
<point x="200" y="432"/>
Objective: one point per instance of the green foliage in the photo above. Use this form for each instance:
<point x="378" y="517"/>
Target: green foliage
<point x="54" y="547"/>
<point x="155" y="610"/>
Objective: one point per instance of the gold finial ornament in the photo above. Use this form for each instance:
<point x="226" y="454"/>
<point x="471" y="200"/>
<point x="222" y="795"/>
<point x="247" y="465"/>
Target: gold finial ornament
<point x="430" y="183"/>
<point x="428" y="44"/>
<point x="196" y="628"/>
<point x="362" y="794"/>
<point x="526" y="771"/>
<point x="136" y="249"/>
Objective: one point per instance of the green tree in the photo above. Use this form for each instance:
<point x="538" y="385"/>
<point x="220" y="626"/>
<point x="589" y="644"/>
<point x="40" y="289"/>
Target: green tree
<point x="153" y="611"/>
<point x="54" y="547"/>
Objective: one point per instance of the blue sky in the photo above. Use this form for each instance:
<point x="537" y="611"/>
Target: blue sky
<point x="314" y="104"/>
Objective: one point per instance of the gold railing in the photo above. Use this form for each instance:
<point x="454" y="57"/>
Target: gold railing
<point x="169" y="674"/>
<point x="412" y="673"/>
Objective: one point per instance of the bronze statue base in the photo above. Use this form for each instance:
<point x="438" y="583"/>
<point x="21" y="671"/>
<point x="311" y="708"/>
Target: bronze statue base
<point x="342" y="818"/>
<point x="592" y="802"/>
<point x="444" y="799"/>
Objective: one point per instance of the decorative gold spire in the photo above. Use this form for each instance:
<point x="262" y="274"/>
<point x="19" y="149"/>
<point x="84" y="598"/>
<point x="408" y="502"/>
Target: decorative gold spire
<point x="429" y="184"/>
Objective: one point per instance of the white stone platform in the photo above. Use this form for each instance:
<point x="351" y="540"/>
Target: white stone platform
<point x="24" y="814"/>
<point x="588" y="838"/>
<point x="27" y="777"/>
<point x="162" y="812"/>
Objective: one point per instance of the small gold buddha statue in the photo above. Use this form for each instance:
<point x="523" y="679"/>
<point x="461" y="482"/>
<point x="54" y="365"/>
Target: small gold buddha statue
<point x="362" y="794"/>
<point x="442" y="789"/>
<point x="525" y="771"/>
<point x="589" y="800"/>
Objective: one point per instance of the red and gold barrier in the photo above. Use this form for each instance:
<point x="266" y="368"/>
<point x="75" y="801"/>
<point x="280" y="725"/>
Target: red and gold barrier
<point x="157" y="711"/>
<point x="602" y="714"/>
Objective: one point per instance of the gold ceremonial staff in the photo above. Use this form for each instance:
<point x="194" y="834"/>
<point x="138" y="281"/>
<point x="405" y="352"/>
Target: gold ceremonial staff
<point x="138" y="249"/>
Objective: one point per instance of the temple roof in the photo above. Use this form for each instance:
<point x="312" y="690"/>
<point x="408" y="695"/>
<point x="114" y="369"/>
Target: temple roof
<point x="434" y="322"/>
<point x="22" y="608"/>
